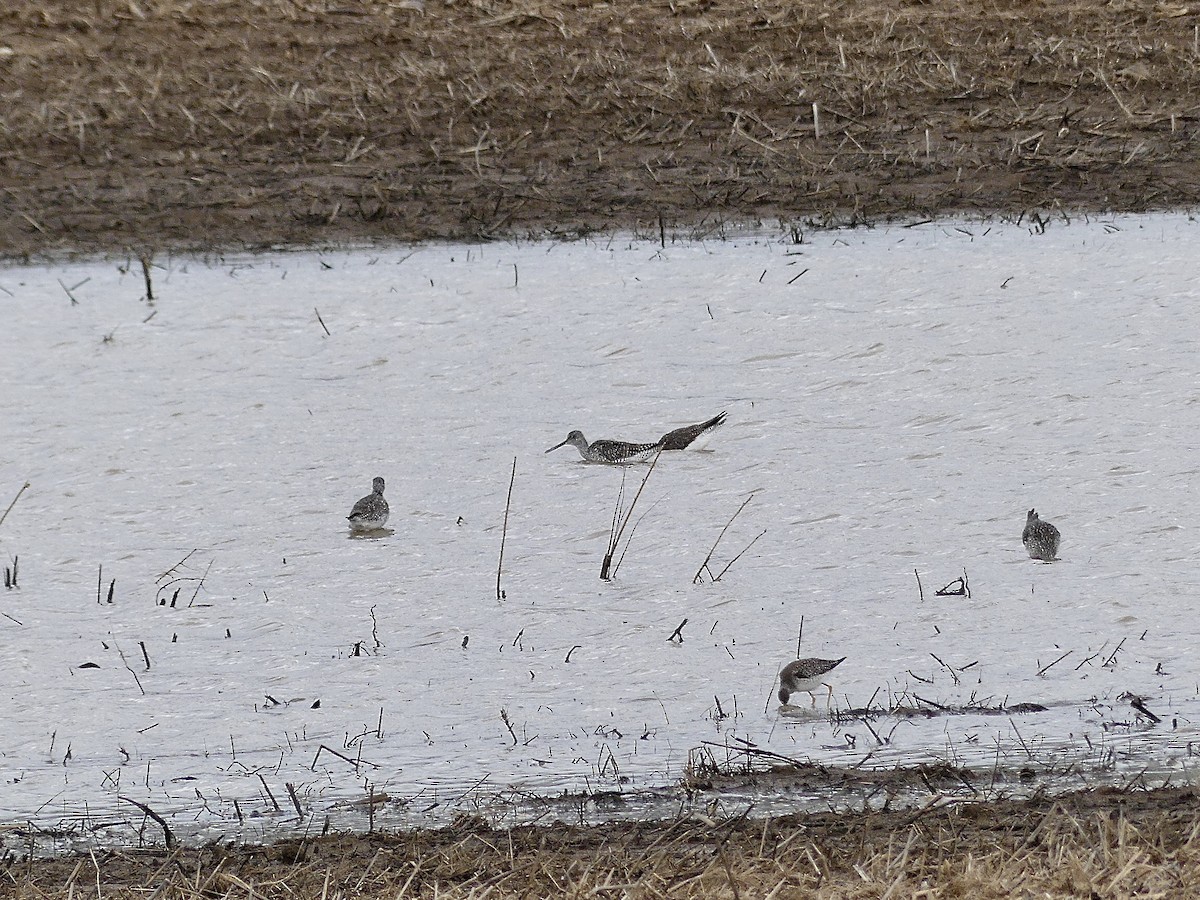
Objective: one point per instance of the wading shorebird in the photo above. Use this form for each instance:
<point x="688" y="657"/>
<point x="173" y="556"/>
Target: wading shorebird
<point x="621" y="452"/>
<point x="1040" y="538"/>
<point x="681" y="438"/>
<point x="604" y="451"/>
<point x="805" y="675"/>
<point x="371" y="512"/>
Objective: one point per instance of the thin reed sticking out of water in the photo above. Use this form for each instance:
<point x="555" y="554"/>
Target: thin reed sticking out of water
<point x="147" y="259"/>
<point x="504" y="530"/>
<point x="24" y="487"/>
<point x="699" y="576"/>
<point x="620" y="521"/>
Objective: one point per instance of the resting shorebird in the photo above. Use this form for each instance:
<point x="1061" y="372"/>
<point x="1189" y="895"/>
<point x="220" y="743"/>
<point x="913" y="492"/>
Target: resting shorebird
<point x="1040" y="538"/>
<point x="681" y="438"/>
<point x="371" y="512"/>
<point x="805" y="675"/>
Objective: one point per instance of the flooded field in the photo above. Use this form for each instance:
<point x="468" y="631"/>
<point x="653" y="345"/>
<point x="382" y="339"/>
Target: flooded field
<point x="193" y="627"/>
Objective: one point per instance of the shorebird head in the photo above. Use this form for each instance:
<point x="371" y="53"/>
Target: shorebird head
<point x="377" y="485"/>
<point x="784" y="694"/>
<point x="575" y="439"/>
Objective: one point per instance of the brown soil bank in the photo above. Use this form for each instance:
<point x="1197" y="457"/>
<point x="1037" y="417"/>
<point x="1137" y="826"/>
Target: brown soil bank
<point x="1107" y="844"/>
<point x="197" y="124"/>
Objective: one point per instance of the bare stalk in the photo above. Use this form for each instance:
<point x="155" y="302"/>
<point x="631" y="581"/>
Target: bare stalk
<point x="698" y="577"/>
<point x="14" y="502"/>
<point x="621" y="522"/>
<point x="504" y="530"/>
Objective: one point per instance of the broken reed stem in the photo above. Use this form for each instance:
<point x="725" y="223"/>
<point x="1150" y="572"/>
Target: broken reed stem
<point x="949" y="669"/>
<point x="171" y="571"/>
<point x="14" y="502"/>
<point x="920" y="590"/>
<point x="504" y="530"/>
<point x="508" y="724"/>
<point x="615" y="540"/>
<point x="295" y="800"/>
<point x="267" y="787"/>
<point x="99" y="582"/>
<point x="125" y="663"/>
<point x="146" y="259"/>
<point x="1019" y="738"/>
<point x="717" y="577"/>
<point x="322" y="321"/>
<point x="799" y="636"/>
<point x="324" y="748"/>
<point x="696" y="579"/>
<point x="168" y="835"/>
<point x="678" y="632"/>
<point x="200" y="584"/>
<point x="612" y="529"/>
<point x="1046" y="668"/>
<point x="1108" y="662"/>
<point x="621" y="558"/>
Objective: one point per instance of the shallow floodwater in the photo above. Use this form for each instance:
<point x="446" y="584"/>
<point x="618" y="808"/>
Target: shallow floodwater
<point x="897" y="399"/>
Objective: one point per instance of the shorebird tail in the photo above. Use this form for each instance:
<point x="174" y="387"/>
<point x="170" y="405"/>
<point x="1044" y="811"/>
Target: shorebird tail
<point x="682" y="438"/>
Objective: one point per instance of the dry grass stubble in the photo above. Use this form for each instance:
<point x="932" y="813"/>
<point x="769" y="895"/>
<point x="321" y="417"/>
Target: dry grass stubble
<point x="1107" y="843"/>
<point x="156" y="124"/>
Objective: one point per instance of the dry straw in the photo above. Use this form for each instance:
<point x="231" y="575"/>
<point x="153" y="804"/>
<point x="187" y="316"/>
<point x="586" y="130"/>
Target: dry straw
<point x="1110" y="844"/>
<point x="231" y="123"/>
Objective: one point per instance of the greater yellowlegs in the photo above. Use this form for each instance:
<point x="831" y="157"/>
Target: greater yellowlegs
<point x="805" y="675"/>
<point x="1040" y="538"/>
<point x="605" y="451"/>
<point x="371" y="512"/>
<point x="608" y="451"/>
<point x="681" y="438"/>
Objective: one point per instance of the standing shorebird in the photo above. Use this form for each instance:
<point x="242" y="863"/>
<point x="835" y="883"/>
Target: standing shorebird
<point x="805" y="675"/>
<point x="681" y="438"/>
<point x="1040" y="538"/>
<point x="604" y="451"/>
<point x="371" y="512"/>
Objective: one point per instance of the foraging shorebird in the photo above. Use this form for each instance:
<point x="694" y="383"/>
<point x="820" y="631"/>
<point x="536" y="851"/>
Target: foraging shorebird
<point x="1040" y="538"/>
<point x="371" y="512"/>
<point x="805" y="675"/>
<point x="681" y="438"/>
<point x="603" y="451"/>
<point x="621" y="452"/>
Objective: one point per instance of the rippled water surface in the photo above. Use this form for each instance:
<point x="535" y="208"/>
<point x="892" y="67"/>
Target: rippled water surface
<point x="897" y="399"/>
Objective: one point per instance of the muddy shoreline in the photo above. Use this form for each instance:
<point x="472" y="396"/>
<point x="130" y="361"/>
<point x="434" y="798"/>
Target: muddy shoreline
<point x="1106" y="842"/>
<point x="150" y="127"/>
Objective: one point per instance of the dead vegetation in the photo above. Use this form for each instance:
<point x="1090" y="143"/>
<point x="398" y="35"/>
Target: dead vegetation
<point x="1108" y="844"/>
<point x="147" y="125"/>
